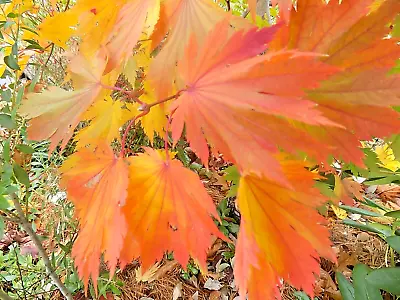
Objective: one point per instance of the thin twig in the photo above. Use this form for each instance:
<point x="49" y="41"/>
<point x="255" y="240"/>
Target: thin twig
<point x="268" y="12"/>
<point x="131" y="122"/>
<point x="42" y="252"/>
<point x="66" y="5"/>
<point x="164" y="100"/>
<point x="131" y="94"/>
<point x="145" y="109"/>
<point x="20" y="273"/>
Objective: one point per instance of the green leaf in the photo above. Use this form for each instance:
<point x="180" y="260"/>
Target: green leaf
<point x="3" y="203"/>
<point x="6" y="151"/>
<point x="21" y="175"/>
<point x="7" y="122"/>
<point x="345" y="287"/>
<point x="234" y="228"/>
<point x="301" y="295"/>
<point x="394" y="242"/>
<point x="387" y="279"/>
<point x="396" y="28"/>
<point x="232" y="174"/>
<point x="11" y="62"/>
<point x="6" y="95"/>
<point x="383" y="180"/>
<point x="2" y="226"/>
<point x="395" y="145"/>
<point x="12" y="15"/>
<point x="359" y="211"/>
<point x="325" y="189"/>
<point x="25" y="149"/>
<point x="393" y="214"/>
<point x="6" y="173"/>
<point x="362" y="289"/>
<point x="385" y="230"/>
<point x="372" y="203"/>
<point x="371" y="160"/>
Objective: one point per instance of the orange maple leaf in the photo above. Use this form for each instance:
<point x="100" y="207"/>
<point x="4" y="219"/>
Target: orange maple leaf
<point x="106" y="116"/>
<point x="316" y="24"/>
<point x="182" y="18"/>
<point x="97" y="184"/>
<point x="55" y="113"/>
<point x="358" y="97"/>
<point x="274" y="219"/>
<point x="165" y="215"/>
<point x="229" y="81"/>
<point x="125" y="33"/>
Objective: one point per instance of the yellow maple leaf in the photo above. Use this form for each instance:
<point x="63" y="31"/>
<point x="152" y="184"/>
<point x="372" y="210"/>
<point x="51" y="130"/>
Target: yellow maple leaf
<point x="155" y="120"/>
<point x="50" y="30"/>
<point x="96" y="182"/>
<point x="56" y="112"/>
<point x="386" y="156"/>
<point x="106" y="116"/>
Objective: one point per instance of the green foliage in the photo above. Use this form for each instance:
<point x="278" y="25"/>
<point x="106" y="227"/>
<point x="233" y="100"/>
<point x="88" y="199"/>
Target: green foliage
<point x="191" y="270"/>
<point x="233" y="176"/>
<point x="229" y="221"/>
<point x="368" y="283"/>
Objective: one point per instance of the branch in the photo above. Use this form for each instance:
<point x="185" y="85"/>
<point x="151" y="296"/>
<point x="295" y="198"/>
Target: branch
<point x="268" y="11"/>
<point x="20" y="273"/>
<point x="145" y="109"/>
<point x="28" y="228"/>
<point x="131" y="94"/>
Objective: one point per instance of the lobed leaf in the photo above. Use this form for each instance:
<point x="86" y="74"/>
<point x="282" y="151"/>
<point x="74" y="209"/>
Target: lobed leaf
<point x="97" y="184"/>
<point x="165" y="215"/>
<point x="278" y="225"/>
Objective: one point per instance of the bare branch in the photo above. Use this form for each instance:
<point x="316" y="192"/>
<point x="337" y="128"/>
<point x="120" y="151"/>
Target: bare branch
<point x="28" y="228"/>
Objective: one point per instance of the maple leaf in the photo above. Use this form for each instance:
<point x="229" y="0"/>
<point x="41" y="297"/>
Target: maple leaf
<point x="106" y="116"/>
<point x="315" y="25"/>
<point x="104" y="23"/>
<point x="96" y="182"/>
<point x="165" y="215"/>
<point x="227" y="81"/>
<point x="359" y="96"/>
<point x="274" y="219"/>
<point x="55" y="113"/>
<point x="155" y="120"/>
<point x="125" y="33"/>
<point x="50" y="30"/>
<point x="345" y="189"/>
<point x="182" y="18"/>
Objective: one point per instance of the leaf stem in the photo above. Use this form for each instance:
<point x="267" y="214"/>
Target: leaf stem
<point x="131" y="122"/>
<point x="165" y="99"/>
<point x="20" y="273"/>
<point x="129" y="93"/>
<point x="145" y="109"/>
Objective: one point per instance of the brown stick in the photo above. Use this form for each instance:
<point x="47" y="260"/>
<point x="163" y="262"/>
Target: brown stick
<point x="28" y="228"/>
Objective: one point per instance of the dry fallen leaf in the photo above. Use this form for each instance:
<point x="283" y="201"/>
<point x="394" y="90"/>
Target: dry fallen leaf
<point x="177" y="293"/>
<point x="212" y="285"/>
